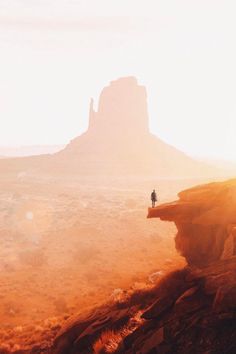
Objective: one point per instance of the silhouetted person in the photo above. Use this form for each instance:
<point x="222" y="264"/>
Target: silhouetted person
<point x="153" y="198"/>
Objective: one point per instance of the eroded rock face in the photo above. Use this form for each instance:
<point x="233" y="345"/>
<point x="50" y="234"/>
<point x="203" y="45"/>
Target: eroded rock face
<point x="205" y="217"/>
<point x="192" y="310"/>
<point x="189" y="311"/>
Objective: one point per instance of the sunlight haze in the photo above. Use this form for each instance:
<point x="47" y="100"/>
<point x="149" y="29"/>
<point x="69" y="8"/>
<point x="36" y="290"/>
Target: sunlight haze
<point x="117" y="176"/>
<point x="56" y="55"/>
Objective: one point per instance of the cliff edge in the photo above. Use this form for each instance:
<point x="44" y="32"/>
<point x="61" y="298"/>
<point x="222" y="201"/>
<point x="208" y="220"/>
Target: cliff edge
<point x="205" y="217"/>
<point x="191" y="310"/>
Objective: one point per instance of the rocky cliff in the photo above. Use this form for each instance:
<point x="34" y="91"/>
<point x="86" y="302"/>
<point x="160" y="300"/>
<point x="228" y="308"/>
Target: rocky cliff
<point x="192" y="310"/>
<point x="206" y="221"/>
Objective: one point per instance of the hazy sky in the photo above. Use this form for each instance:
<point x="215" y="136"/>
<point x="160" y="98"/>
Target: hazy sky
<point x="56" y="54"/>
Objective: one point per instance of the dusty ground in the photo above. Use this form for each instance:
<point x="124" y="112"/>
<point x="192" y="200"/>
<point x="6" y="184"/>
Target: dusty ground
<point x="69" y="245"/>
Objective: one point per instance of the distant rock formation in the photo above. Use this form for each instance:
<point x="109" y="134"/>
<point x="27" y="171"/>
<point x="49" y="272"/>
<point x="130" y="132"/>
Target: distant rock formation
<point x="118" y="141"/>
<point x="192" y="310"/>
<point x="122" y="110"/>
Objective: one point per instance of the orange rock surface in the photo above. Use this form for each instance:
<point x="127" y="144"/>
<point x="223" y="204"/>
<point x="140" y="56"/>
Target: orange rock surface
<point x="189" y="311"/>
<point x="206" y="221"/>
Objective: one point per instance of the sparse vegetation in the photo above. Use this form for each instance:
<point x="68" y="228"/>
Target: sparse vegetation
<point x="35" y="258"/>
<point x="110" y="341"/>
<point x="82" y="254"/>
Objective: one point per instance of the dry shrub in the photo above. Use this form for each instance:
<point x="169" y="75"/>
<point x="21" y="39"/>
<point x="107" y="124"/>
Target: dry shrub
<point x="171" y="282"/>
<point x="86" y="254"/>
<point x="34" y="258"/>
<point x="155" y="238"/>
<point x="110" y="340"/>
<point x="117" y="295"/>
<point x="61" y="305"/>
<point x="91" y="277"/>
<point x="166" y="285"/>
<point x="12" y="308"/>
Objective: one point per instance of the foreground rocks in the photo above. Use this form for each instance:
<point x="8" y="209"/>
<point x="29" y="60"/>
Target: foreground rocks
<point x="192" y="310"/>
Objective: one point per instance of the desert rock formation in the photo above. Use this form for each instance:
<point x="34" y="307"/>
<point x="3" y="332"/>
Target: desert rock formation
<point x="206" y="221"/>
<point x="117" y="143"/>
<point x="118" y="140"/>
<point x="189" y="311"/>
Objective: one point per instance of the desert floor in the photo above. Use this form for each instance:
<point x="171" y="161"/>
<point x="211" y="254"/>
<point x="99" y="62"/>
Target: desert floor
<point x="68" y="245"/>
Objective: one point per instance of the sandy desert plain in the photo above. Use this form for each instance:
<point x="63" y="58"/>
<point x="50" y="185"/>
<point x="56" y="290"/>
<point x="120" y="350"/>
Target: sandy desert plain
<point x="68" y="245"/>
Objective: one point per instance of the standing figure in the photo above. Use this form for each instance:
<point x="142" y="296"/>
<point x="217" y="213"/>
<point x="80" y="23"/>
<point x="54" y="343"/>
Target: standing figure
<point x="153" y="198"/>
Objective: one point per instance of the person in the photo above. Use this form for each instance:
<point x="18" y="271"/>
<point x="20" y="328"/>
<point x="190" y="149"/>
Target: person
<point x="153" y="198"/>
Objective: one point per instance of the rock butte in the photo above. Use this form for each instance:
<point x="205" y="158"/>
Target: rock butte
<point x="117" y="143"/>
<point x="118" y="140"/>
<point x="192" y="310"/>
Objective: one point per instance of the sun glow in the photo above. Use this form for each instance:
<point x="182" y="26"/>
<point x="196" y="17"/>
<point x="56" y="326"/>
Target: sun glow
<point x="54" y="58"/>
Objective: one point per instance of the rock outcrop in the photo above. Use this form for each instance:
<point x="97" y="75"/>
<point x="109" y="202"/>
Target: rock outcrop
<point x="205" y="217"/>
<point x="192" y="310"/>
